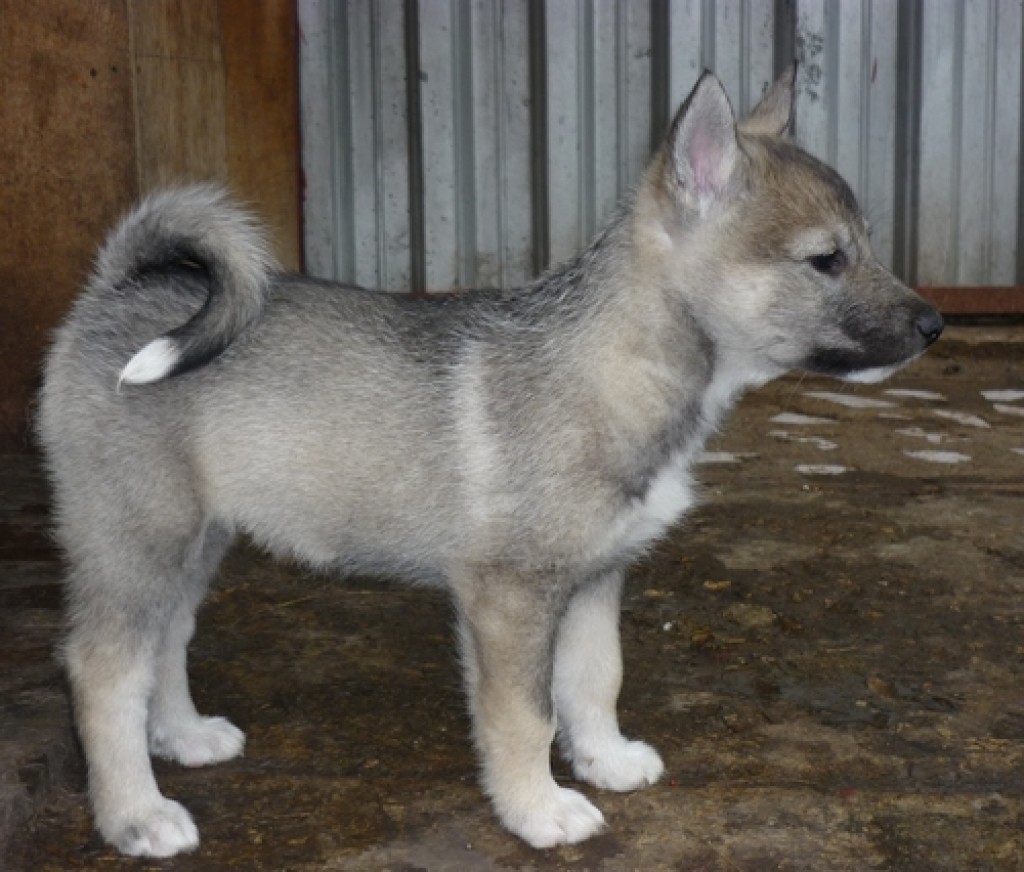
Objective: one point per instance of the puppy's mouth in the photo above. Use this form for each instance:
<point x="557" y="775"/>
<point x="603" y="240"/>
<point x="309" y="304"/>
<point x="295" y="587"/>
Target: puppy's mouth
<point x="858" y="366"/>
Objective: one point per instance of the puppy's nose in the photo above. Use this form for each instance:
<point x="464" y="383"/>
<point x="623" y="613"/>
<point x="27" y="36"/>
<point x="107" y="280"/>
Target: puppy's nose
<point x="929" y="324"/>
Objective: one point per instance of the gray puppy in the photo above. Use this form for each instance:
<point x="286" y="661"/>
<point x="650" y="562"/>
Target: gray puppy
<point x="519" y="448"/>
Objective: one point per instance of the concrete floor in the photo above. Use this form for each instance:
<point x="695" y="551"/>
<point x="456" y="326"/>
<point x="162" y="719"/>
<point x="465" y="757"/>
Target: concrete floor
<point x="829" y="654"/>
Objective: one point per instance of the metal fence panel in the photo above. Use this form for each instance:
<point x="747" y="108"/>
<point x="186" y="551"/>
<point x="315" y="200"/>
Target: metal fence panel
<point x="526" y="120"/>
<point x="355" y="142"/>
<point x="598" y="120"/>
<point x="846" y="104"/>
<point x="474" y="90"/>
<point x="970" y="142"/>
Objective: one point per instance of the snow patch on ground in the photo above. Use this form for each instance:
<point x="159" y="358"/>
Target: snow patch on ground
<point x="1009" y="410"/>
<point x="933" y="438"/>
<point x="726" y="456"/>
<point x="1007" y="396"/>
<point x="785" y="436"/>
<point x="962" y="418"/>
<point x="911" y="394"/>
<point x="851" y="401"/>
<point x="821" y="469"/>
<point x="939" y="456"/>
<point x="798" y="420"/>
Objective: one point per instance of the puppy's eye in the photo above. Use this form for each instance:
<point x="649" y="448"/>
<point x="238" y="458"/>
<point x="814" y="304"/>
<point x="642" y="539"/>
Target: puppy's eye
<point x="831" y="264"/>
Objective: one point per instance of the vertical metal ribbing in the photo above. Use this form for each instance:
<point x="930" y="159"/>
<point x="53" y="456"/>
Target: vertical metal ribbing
<point x="1019" y="235"/>
<point x="636" y="58"/>
<point x="464" y="152"/>
<point x="585" y="107"/>
<point x="831" y="95"/>
<point x="784" y="48"/>
<point x="621" y="97"/>
<point x="341" y="178"/>
<point x="761" y="60"/>
<point x="501" y="133"/>
<point x="319" y="217"/>
<point x="956" y="138"/>
<point x="990" y="143"/>
<point x="908" y="138"/>
<point x="567" y="127"/>
<point x="742" y="96"/>
<point x="661" y="110"/>
<point x="383" y="277"/>
<point x="864" y="167"/>
<point x="539" y="152"/>
<point x="1007" y="145"/>
<point x="417" y="234"/>
<point x="937" y="146"/>
<point x="514" y="148"/>
<point x="707" y="35"/>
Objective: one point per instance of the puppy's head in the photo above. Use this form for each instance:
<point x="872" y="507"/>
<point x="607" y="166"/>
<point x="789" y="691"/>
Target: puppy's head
<point x="767" y="246"/>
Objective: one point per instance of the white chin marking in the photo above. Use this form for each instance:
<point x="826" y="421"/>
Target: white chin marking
<point x="870" y="376"/>
<point x="151" y="364"/>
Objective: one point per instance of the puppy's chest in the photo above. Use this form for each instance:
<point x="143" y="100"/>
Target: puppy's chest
<point x="666" y="495"/>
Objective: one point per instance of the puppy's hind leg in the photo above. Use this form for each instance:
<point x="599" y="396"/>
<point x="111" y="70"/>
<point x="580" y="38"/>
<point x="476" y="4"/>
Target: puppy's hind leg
<point x="507" y="624"/>
<point x="588" y="676"/>
<point x="110" y="653"/>
<point x="176" y="730"/>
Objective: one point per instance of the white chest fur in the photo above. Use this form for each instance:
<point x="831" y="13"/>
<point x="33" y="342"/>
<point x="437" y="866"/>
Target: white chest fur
<point x="669" y="495"/>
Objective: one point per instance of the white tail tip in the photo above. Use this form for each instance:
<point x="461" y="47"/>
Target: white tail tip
<point x="151" y="364"/>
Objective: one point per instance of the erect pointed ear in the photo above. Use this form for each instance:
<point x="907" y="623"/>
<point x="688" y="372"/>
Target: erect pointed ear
<point x="773" y="116"/>
<point x="702" y="144"/>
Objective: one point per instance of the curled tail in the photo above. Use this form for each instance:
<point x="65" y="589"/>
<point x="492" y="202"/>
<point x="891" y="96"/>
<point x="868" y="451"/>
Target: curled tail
<point x="195" y="226"/>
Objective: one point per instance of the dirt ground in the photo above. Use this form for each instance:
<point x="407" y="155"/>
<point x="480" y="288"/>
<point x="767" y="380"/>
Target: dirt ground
<point x="829" y="654"/>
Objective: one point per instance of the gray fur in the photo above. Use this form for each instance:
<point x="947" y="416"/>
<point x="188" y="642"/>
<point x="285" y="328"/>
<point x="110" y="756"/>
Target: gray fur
<point x="519" y="448"/>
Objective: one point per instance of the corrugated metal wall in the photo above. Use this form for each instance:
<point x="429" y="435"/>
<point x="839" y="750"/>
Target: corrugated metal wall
<point x="526" y="120"/>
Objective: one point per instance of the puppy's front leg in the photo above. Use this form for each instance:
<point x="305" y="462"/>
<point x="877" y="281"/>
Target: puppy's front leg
<point x="588" y="676"/>
<point x="507" y="625"/>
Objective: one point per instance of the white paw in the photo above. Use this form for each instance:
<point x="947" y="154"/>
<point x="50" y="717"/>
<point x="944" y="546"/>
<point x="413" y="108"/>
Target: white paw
<point x="619" y="765"/>
<point x="198" y="742"/>
<point x="162" y="831"/>
<point x="563" y="817"/>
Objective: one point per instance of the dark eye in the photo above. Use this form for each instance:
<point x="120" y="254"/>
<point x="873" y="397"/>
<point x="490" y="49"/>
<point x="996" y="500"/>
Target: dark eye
<point x="831" y="264"/>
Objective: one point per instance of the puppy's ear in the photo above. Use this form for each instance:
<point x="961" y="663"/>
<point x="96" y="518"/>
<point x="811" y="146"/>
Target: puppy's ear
<point x="773" y="116"/>
<point x="702" y="145"/>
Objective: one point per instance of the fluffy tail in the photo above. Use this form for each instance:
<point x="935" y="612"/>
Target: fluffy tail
<point x="196" y="227"/>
